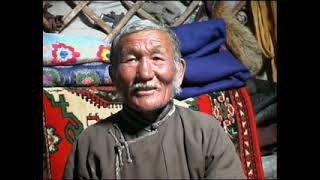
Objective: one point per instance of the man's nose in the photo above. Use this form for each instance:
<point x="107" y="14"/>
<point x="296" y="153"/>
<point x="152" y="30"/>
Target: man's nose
<point x="144" y="70"/>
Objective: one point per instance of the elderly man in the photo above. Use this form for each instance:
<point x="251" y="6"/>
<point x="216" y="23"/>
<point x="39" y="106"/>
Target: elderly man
<point x="151" y="137"/>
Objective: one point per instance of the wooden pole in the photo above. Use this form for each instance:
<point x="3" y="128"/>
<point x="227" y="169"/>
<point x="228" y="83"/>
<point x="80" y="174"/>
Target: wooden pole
<point x="124" y="20"/>
<point x="186" y="13"/>
<point x="72" y="14"/>
<point x="142" y="13"/>
<point x="106" y="28"/>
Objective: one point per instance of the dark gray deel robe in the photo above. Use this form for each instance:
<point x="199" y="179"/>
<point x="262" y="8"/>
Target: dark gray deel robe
<point x="180" y="144"/>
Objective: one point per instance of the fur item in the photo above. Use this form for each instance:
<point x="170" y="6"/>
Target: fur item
<point x="240" y="40"/>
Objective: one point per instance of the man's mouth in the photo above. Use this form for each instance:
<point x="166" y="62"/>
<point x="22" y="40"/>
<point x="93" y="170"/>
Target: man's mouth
<point x="144" y="91"/>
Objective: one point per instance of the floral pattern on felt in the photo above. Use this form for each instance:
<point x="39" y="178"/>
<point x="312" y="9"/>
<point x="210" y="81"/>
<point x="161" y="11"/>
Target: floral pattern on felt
<point x="53" y="140"/>
<point x="64" y="55"/>
<point x="51" y="77"/>
<point x="224" y="112"/>
<point x="87" y="78"/>
<point x="104" y="54"/>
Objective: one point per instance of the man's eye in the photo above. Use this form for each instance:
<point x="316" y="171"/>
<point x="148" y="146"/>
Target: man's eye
<point x="130" y="60"/>
<point x="156" y="58"/>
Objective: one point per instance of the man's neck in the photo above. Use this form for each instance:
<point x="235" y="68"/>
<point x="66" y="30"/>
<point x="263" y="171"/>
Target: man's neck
<point x="134" y="122"/>
<point x="151" y="116"/>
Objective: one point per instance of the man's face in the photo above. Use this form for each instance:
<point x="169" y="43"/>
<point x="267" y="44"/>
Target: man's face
<point x="146" y="58"/>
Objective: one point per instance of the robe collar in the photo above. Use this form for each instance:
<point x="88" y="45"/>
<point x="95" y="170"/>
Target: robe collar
<point x="132" y="122"/>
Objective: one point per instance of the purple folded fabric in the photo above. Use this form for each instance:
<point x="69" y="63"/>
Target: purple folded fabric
<point x="210" y="67"/>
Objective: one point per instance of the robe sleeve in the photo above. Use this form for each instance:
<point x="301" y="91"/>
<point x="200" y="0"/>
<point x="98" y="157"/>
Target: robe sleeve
<point x="80" y="164"/>
<point x="222" y="160"/>
<point x="69" y="168"/>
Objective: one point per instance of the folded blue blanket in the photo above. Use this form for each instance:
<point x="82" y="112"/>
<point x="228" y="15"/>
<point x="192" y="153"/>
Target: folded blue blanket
<point x="89" y="74"/>
<point x="209" y="66"/>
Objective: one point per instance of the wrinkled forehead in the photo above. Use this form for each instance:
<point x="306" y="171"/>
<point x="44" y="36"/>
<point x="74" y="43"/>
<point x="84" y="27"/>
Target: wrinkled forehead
<point x="151" y="38"/>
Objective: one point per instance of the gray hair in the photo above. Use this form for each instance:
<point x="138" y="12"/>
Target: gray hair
<point x="144" y="25"/>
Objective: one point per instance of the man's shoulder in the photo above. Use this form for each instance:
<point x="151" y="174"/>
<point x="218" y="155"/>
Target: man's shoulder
<point x="99" y="128"/>
<point x="196" y="118"/>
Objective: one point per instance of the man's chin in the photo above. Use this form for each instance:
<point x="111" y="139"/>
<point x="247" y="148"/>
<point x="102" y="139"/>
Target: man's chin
<point x="147" y="107"/>
<point x="148" y="104"/>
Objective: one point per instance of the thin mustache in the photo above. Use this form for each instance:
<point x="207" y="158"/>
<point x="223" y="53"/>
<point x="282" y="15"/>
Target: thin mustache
<point x="143" y="86"/>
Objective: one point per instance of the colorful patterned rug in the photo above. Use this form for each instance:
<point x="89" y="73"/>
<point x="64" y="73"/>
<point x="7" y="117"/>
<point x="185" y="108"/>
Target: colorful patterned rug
<point x="68" y="111"/>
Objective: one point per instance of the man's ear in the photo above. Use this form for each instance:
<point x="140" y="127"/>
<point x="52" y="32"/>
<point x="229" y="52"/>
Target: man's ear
<point x="180" y="74"/>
